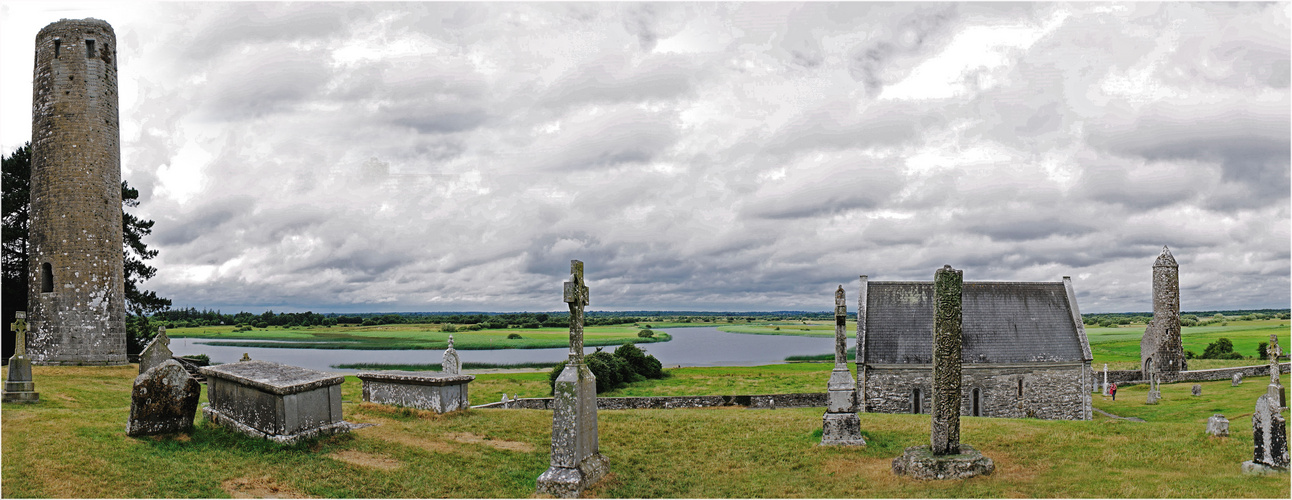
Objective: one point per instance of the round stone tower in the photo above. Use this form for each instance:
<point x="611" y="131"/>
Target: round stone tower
<point x="75" y="276"/>
<point x="1161" y="348"/>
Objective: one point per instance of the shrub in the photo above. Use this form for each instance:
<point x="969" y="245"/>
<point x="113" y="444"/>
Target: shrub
<point x="1262" y="350"/>
<point x="646" y="334"/>
<point x="1190" y="354"/>
<point x="201" y="359"/>
<point x="1220" y="347"/>
<point x="513" y="336"/>
<point x="473" y="328"/>
<point x="448" y="328"/>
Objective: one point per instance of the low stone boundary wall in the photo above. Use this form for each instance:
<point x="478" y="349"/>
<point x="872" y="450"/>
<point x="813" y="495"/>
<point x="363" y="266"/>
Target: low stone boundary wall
<point x="764" y="401"/>
<point x="1132" y="377"/>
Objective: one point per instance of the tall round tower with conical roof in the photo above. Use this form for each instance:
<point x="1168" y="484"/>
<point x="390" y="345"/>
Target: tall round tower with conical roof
<point x="1161" y="348"/>
<point x="75" y="272"/>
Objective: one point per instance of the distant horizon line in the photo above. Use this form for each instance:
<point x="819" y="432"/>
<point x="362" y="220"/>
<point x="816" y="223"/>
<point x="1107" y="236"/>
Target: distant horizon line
<point x="678" y="312"/>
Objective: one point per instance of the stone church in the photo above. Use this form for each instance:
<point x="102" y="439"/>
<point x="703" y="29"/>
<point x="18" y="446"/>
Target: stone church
<point x="1025" y="351"/>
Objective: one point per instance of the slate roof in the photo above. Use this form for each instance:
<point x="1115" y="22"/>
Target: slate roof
<point x="1003" y="322"/>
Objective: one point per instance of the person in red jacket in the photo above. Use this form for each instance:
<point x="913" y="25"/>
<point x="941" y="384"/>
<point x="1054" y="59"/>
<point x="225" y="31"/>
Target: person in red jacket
<point x="1113" y="390"/>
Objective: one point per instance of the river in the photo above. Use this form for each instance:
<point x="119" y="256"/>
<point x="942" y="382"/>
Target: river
<point x="702" y="346"/>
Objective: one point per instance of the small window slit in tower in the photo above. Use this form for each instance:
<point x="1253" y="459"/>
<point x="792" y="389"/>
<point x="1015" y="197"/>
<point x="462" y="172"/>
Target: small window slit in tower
<point x="57" y="47"/>
<point x="89" y="48"/>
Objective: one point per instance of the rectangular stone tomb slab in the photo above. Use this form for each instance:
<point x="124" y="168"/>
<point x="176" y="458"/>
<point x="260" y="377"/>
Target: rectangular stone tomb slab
<point x="422" y="390"/>
<point x="273" y="401"/>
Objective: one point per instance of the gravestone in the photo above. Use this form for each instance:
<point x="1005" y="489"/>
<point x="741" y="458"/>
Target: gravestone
<point x="156" y="352"/>
<point x="576" y="461"/>
<point x="1105" y="389"/>
<point x="1197" y="389"/>
<point x="1276" y="391"/>
<point x="163" y="400"/>
<point x="1154" y="394"/>
<point x="1236" y="380"/>
<point x="840" y="425"/>
<point x="451" y="365"/>
<point x="1269" y="439"/>
<point x="19" y="386"/>
<point x="1218" y="426"/>
<point x="267" y="400"/>
<point x="947" y="458"/>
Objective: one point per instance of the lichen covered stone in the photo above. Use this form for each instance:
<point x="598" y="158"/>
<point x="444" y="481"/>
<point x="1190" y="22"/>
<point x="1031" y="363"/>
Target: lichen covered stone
<point x="163" y="401"/>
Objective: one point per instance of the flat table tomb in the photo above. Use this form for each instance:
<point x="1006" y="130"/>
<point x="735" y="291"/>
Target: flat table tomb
<point x="274" y="401"/>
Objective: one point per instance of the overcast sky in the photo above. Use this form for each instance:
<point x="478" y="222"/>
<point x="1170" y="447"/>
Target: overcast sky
<point x="432" y="156"/>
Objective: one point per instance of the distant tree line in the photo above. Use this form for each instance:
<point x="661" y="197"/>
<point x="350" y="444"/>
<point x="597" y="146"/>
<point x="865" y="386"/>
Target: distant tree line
<point x="1199" y="318"/>
<point x="192" y="317"/>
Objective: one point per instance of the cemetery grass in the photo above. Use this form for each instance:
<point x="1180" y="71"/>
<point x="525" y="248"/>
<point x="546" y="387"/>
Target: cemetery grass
<point x="73" y="444"/>
<point x="410" y="336"/>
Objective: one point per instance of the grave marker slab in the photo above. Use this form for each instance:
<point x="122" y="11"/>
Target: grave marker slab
<point x="163" y="400"/>
<point x="1197" y="389"/>
<point x="1218" y="425"/>
<point x="18" y="385"/>
<point x="156" y="352"/>
<point x="1236" y="380"/>
<point x="274" y="401"/>
<point x="576" y="461"/>
<point x="1269" y="439"/>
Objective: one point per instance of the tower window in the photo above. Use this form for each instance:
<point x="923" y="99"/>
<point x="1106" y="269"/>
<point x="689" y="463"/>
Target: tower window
<point x="46" y="278"/>
<point x="57" y="46"/>
<point x="917" y="400"/>
<point x="89" y="48"/>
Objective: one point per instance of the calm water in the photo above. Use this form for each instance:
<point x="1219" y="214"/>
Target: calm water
<point x="704" y="346"/>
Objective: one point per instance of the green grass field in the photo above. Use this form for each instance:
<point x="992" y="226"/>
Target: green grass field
<point x="412" y="336"/>
<point x="1119" y="347"/>
<point x="73" y="445"/>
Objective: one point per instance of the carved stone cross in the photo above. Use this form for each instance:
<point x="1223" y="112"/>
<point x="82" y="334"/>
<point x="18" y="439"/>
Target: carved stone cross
<point x="161" y="336"/>
<point x="576" y="295"/>
<point x="840" y="319"/>
<point x="19" y="328"/>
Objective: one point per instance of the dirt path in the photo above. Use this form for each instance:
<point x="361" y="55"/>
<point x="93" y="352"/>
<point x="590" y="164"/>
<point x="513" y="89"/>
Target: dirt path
<point x="1109" y="415"/>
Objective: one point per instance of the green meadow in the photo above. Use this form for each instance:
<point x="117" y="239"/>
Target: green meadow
<point x="411" y="336"/>
<point x="72" y="445"/>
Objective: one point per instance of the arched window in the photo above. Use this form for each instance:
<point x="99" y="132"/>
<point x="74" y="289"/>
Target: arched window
<point x="977" y="406"/>
<point x="57" y="46"/>
<point x="917" y="401"/>
<point x="46" y="278"/>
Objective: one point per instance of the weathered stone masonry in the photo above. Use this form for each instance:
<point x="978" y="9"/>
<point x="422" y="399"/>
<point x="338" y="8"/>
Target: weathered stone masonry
<point x="75" y="284"/>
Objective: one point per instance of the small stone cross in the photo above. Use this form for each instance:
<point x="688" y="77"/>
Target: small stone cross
<point x="840" y="319"/>
<point x="576" y="295"/>
<point x="161" y="336"/>
<point x="19" y="328"/>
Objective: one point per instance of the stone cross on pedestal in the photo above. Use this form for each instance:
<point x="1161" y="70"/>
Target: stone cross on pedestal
<point x="576" y="462"/>
<point x="19" y="387"/>
<point x="840" y="425"/>
<point x="451" y="365"/>
<point x="948" y="284"/>
<point x="1105" y="390"/>
<point x="947" y="457"/>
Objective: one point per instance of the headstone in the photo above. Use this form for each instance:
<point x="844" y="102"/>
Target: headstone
<point x="1154" y="394"/>
<point x="1269" y="439"/>
<point x="451" y="364"/>
<point x="840" y="425"/>
<point x="163" y="400"/>
<point x="1218" y="426"/>
<point x="19" y="386"/>
<point x="947" y="458"/>
<point x="576" y="461"/>
<point x="1278" y="394"/>
<point x="1237" y="380"/>
<point x="505" y="402"/>
<point x="1197" y="389"/>
<point x="156" y="352"/>
<point x="273" y="401"/>
<point x="422" y="390"/>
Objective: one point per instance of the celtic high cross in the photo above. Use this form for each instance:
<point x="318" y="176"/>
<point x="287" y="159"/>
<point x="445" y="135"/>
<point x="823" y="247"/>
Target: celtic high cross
<point x="576" y="295"/>
<point x="19" y="328"/>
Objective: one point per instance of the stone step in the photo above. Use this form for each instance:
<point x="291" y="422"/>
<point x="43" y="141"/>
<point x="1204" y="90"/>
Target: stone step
<point x="191" y="368"/>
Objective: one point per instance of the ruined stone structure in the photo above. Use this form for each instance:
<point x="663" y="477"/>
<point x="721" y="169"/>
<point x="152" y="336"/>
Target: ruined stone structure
<point x="76" y="283"/>
<point x="946" y="458"/>
<point x="840" y="425"/>
<point x="1161" y="350"/>
<point x="1025" y="352"/>
<point x="577" y="462"/>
